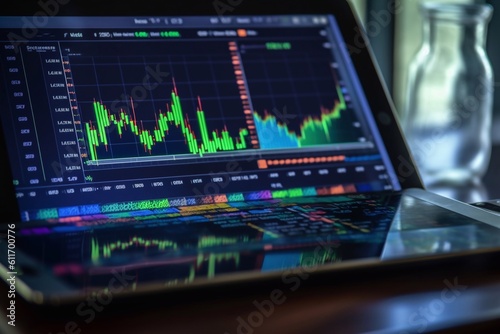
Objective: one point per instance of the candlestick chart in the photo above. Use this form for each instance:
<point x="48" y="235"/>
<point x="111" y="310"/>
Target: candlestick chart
<point x="162" y="105"/>
<point x="172" y="120"/>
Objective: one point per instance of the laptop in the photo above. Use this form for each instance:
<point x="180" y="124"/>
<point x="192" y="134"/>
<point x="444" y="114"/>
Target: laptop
<point x="205" y="143"/>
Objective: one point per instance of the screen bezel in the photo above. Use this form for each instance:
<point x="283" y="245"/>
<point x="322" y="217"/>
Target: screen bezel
<point x="363" y="60"/>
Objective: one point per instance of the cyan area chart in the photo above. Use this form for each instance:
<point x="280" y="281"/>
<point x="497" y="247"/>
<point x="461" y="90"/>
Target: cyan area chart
<point x="327" y="128"/>
<point x="299" y="97"/>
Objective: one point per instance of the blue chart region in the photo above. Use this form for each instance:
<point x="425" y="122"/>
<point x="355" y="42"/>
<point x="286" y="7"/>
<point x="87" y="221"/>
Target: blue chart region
<point x="333" y="126"/>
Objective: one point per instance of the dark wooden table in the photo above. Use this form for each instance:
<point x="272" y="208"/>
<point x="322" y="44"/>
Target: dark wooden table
<point x="458" y="296"/>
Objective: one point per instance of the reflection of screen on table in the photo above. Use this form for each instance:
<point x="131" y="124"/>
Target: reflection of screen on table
<point x="183" y="248"/>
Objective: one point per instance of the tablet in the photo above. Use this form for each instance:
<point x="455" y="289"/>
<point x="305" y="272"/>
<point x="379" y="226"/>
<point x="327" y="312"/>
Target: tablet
<point x="197" y="145"/>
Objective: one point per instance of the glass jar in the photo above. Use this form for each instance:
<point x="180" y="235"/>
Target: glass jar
<point x="448" y="110"/>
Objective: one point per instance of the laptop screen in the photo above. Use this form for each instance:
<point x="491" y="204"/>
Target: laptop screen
<point x="110" y="116"/>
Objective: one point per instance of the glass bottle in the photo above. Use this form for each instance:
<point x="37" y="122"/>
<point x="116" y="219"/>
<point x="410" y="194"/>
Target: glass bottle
<point x="448" y="111"/>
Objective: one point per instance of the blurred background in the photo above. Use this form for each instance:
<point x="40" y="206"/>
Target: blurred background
<point x="399" y="38"/>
